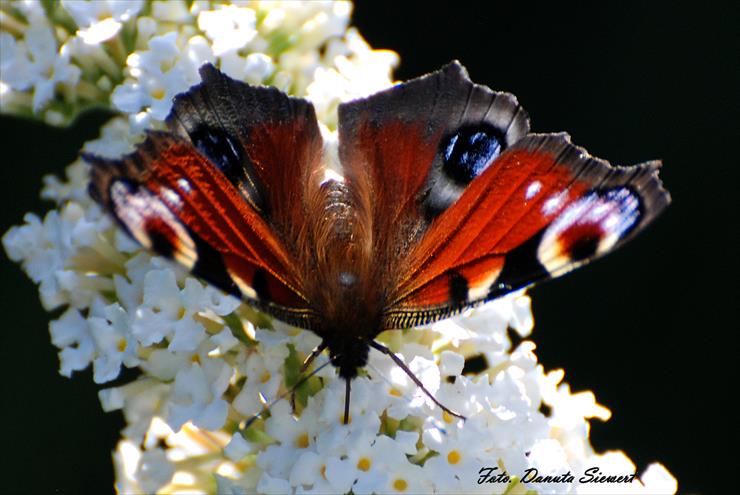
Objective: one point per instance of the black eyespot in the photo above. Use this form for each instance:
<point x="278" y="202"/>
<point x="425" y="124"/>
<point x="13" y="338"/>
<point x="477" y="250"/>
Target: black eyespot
<point x="259" y="284"/>
<point x="458" y="288"/>
<point x="210" y="266"/>
<point x="219" y="147"/>
<point x="584" y="248"/>
<point x="469" y="151"/>
<point x="161" y="243"/>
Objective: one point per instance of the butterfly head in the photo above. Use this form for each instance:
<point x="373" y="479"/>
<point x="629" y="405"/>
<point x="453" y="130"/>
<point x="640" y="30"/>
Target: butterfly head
<point x="348" y="355"/>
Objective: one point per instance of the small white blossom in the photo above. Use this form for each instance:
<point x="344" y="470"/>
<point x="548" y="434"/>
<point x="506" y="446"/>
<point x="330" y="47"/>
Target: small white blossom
<point x="229" y="27"/>
<point x="658" y="480"/>
<point x="154" y="470"/>
<point x="87" y="13"/>
<point x="71" y="334"/>
<point x="115" y="345"/>
<point x="36" y="63"/>
<point x="169" y="66"/>
<point x="238" y="447"/>
<point x="196" y="397"/>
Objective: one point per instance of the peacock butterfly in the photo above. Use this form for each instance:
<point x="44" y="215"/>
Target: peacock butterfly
<point x="444" y="201"/>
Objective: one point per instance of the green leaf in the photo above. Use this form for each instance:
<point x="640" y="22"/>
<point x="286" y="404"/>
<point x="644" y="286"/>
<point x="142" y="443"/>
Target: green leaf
<point x="234" y="323"/>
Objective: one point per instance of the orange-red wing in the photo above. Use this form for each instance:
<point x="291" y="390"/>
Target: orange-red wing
<point x="392" y="149"/>
<point x="224" y="193"/>
<point x="267" y="144"/>
<point x="174" y="201"/>
<point x="543" y="207"/>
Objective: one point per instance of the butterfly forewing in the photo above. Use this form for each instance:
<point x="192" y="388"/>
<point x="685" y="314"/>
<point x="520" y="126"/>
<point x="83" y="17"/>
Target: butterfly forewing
<point x="222" y="194"/>
<point x="395" y="148"/>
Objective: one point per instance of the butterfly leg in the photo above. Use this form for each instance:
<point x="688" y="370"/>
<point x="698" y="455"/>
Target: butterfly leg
<point x="306" y="363"/>
<point x="402" y="365"/>
<point x="347" y="390"/>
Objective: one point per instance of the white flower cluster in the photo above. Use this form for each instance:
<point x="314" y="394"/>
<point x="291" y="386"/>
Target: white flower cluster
<point x="210" y="363"/>
<point x="57" y="59"/>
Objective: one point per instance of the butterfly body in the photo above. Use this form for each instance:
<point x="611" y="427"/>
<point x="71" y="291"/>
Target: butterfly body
<point x="435" y="199"/>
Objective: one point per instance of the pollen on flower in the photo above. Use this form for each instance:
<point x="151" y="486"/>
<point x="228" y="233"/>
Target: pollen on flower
<point x="396" y="393"/>
<point x="400" y="485"/>
<point x="302" y="441"/>
<point x="158" y="93"/>
<point x="122" y="344"/>
<point x="265" y="377"/>
<point x="447" y="417"/>
<point x="364" y="464"/>
<point x="453" y="457"/>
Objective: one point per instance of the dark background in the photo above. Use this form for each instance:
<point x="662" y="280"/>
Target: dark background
<point x="648" y="329"/>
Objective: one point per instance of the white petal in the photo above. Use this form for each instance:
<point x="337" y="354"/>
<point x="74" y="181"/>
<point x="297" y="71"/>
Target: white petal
<point x="238" y="447"/>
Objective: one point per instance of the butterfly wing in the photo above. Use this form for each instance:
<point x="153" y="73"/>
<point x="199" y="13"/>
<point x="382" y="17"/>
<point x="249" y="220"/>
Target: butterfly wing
<point x="480" y="207"/>
<point x="389" y="150"/>
<point x="220" y="193"/>
<point x="541" y="209"/>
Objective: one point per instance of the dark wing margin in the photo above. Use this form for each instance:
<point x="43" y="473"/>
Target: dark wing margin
<point x="541" y="209"/>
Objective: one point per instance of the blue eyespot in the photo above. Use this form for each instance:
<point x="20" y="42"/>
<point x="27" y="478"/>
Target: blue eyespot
<point x="470" y="150"/>
<point x="219" y="147"/>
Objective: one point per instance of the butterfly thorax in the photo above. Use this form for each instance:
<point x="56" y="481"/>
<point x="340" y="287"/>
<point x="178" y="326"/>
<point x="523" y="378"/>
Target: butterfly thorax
<point x="344" y="287"/>
<point x="350" y="318"/>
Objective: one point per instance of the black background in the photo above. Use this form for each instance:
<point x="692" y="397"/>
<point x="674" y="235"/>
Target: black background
<point x="648" y="329"/>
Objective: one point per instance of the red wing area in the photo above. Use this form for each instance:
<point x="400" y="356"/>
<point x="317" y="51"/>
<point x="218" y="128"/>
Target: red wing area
<point x="394" y="148"/>
<point x="265" y="143"/>
<point x="543" y="207"/>
<point x="172" y="200"/>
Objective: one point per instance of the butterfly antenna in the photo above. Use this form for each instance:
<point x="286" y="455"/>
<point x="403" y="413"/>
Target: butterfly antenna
<point x="437" y="423"/>
<point x="347" y="390"/>
<point x="402" y="365"/>
<point x="284" y="395"/>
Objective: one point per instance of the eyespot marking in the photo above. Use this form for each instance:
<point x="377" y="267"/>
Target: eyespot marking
<point x="259" y="283"/>
<point x="151" y="223"/>
<point x="470" y="150"/>
<point x="458" y="288"/>
<point x="171" y="197"/>
<point x="553" y="203"/>
<point x="590" y="226"/>
<point x="161" y="237"/>
<point x="219" y="147"/>
<point x="184" y="184"/>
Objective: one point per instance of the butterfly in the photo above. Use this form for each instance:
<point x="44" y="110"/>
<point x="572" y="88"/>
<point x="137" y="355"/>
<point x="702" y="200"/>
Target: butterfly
<point x="436" y="199"/>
